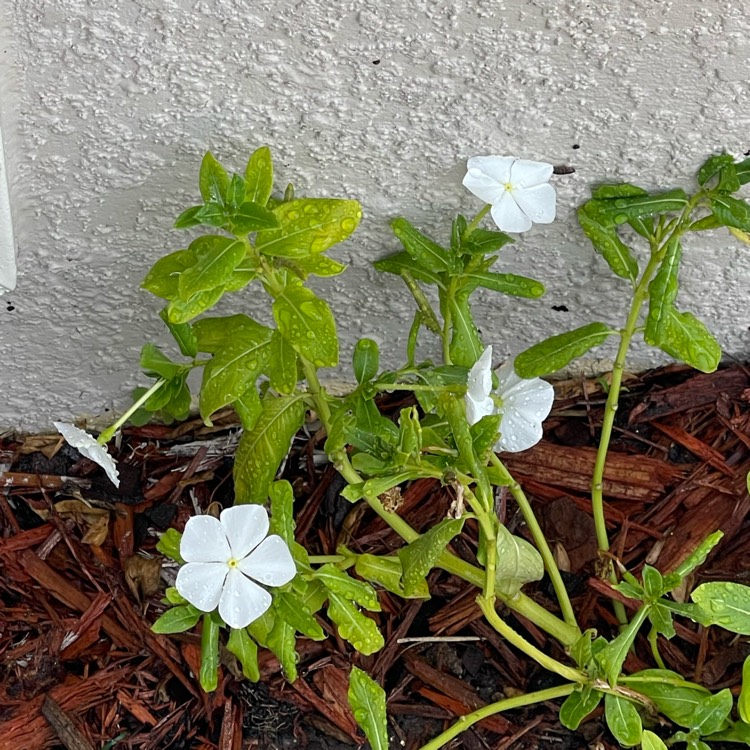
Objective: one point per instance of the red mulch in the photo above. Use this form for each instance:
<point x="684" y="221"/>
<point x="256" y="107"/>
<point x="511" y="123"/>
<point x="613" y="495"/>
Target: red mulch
<point x="80" y="581"/>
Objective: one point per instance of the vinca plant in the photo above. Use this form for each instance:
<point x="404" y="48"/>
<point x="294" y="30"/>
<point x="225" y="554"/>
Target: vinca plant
<point x="247" y="583"/>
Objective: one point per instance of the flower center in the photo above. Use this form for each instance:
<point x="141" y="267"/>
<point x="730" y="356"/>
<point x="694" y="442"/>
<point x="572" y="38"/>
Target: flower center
<point x="232" y="563"/>
<point x="508" y="187"/>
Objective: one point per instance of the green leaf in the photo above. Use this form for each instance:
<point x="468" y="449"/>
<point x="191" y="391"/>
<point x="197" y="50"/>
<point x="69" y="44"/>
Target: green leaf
<point x="158" y="365"/>
<point x="365" y="360"/>
<point x="320" y="265"/>
<point x="400" y="262"/>
<point x="613" y="655"/>
<point x="675" y="697"/>
<point x="181" y="311"/>
<point x="388" y="572"/>
<point x="282" y="642"/>
<point x="743" y="702"/>
<point x="623" y="720"/>
<point x="244" y="648"/>
<point x="606" y="242"/>
<point x="731" y="212"/>
<point x="177" y="620"/>
<point x="282" y="510"/>
<point x="557" y="351"/>
<point x="215" y="259"/>
<point x="353" y="626"/>
<point x="742" y="171"/>
<point x="169" y="545"/>
<point x="653" y="582"/>
<point x="252" y="217"/>
<point x="651" y="741"/>
<point x="261" y="628"/>
<point x="163" y="278"/>
<point x="259" y="176"/>
<point x="234" y="368"/>
<point x="173" y="596"/>
<point x="183" y="334"/>
<point x="188" y="218"/>
<point x="505" y="283"/>
<point x="212" y="215"/>
<point x="458" y="229"/>
<point x="209" y="673"/>
<point x="309" y="226"/>
<point x="213" y="180"/>
<point x="578" y="706"/>
<point x="518" y="562"/>
<point x="712" y="166"/>
<point x="712" y="713"/>
<point x="236" y="192"/>
<point x="421" y="248"/>
<point x="248" y="407"/>
<point x="338" y="582"/>
<point x="290" y="608"/>
<point x="622" y="210"/>
<point x="685" y="338"/>
<point x="617" y="190"/>
<point x="660" y="618"/>
<point x="367" y="701"/>
<point x="662" y="292"/>
<point x="726" y="604"/>
<point x="484" y="241"/>
<point x="419" y="557"/>
<point x="262" y="449"/>
<point x="466" y="344"/>
<point x="306" y="321"/>
<point x="282" y="364"/>
<point x="213" y="334"/>
<point x="698" y="556"/>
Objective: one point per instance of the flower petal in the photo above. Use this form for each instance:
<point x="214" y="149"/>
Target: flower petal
<point x="526" y="174"/>
<point x="497" y="168"/>
<point x="270" y="562"/>
<point x="475" y="410"/>
<point x="204" y="540"/>
<point x="245" y="527"/>
<point x="508" y="216"/>
<point x="87" y="446"/>
<point x="517" y="433"/>
<point x="242" y="601"/>
<point x="491" y="186"/>
<point x="479" y="382"/>
<point x="201" y="583"/>
<point x="538" y="203"/>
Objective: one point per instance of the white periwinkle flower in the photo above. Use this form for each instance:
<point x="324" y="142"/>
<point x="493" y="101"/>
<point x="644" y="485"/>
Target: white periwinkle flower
<point x="518" y="190"/>
<point x="87" y="446"/>
<point x="523" y="403"/>
<point x="225" y="557"/>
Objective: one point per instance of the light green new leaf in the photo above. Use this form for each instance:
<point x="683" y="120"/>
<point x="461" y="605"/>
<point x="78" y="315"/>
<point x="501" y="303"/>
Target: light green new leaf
<point x="419" y="557"/>
<point x="518" y="562"/>
<point x="209" y="672"/>
<point x="365" y="360"/>
<point x="309" y="226"/>
<point x="214" y="261"/>
<point x="164" y="276"/>
<point x="291" y="609"/>
<point x="248" y="407"/>
<point x="726" y="604"/>
<point x="662" y="292"/>
<point x="731" y="212"/>
<point x="712" y="713"/>
<point x="173" y="596"/>
<point x="252" y="217"/>
<point x="623" y="720"/>
<point x="282" y="510"/>
<point x="606" y="242"/>
<point x="400" y="262"/>
<point x="236" y="192"/>
<point x="181" y="311"/>
<point x="259" y="176"/>
<point x="320" y="265"/>
<point x="422" y="249"/>
<point x="466" y="344"/>
<point x="388" y="572"/>
<point x="353" y="626"/>
<point x="578" y="706"/>
<point x="367" y="701"/>
<point x="157" y="365"/>
<point x="169" y="545"/>
<point x="307" y="323"/>
<point x="245" y="649"/>
<point x="282" y="641"/>
<point x="651" y="741"/>
<point x="484" y="241"/>
<point x="262" y="449"/>
<point x="685" y="338"/>
<point x="281" y="367"/>
<point x="177" y="620"/>
<point x="213" y="180"/>
<point x="342" y="584"/>
<point x="743" y="702"/>
<point x="698" y="556"/>
<point x="557" y="351"/>
<point x="505" y="283"/>
<point x="213" y="334"/>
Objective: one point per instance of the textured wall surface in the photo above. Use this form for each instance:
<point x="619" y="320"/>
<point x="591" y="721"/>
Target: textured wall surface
<point x="112" y="105"/>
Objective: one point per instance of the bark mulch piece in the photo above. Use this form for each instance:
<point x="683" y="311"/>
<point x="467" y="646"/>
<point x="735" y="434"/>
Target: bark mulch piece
<point x="80" y="581"/>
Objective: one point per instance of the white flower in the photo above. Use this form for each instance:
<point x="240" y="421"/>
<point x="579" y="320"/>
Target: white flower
<point x="224" y="559"/>
<point x="518" y="190"/>
<point x="87" y="446"/>
<point x="523" y="403"/>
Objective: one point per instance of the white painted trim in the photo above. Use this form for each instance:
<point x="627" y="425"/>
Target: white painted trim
<point x="7" y="243"/>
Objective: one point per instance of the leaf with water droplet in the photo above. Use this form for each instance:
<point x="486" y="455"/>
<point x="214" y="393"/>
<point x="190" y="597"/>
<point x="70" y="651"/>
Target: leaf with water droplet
<point x="367" y="701"/>
<point x="214" y="261"/>
<point x="259" y="176"/>
<point x="282" y="641"/>
<point x="245" y="649"/>
<point x="662" y="292"/>
<point x="685" y="338"/>
<point x="505" y="283"/>
<point x="353" y="626"/>
<point x="726" y="604"/>
<point x="518" y="562"/>
<point x="606" y="242"/>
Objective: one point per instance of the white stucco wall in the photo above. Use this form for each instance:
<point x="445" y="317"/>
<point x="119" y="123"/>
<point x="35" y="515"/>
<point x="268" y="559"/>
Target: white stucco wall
<point x="113" y="104"/>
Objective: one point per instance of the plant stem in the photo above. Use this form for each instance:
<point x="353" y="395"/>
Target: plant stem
<point x="491" y="709"/>
<point x="109" y="433"/>
<point x="540" y="541"/>
<point x="474" y="223"/>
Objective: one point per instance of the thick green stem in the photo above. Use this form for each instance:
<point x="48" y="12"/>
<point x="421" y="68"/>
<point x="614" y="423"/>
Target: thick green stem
<point x="491" y="709"/>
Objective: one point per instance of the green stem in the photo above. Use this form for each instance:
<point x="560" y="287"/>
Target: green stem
<point x="109" y="433"/>
<point x="491" y="709"/>
<point x="474" y="223"/>
<point x="540" y="541"/>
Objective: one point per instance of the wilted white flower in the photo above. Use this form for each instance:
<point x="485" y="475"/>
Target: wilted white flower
<point x="225" y="557"/>
<point x="523" y="403"/>
<point x="518" y="190"/>
<point x="87" y="446"/>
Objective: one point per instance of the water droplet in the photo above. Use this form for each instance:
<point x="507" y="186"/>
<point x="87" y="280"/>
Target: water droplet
<point x="347" y="225"/>
<point x="309" y="208"/>
<point x="293" y="215"/>
<point x="620" y="219"/>
<point x="621" y="203"/>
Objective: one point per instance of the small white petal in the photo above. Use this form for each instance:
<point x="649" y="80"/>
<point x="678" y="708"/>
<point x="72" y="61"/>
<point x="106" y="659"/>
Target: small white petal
<point x="508" y="216"/>
<point x="201" y="583"/>
<point x="479" y="382"/>
<point x="538" y="203"/>
<point x="245" y="527"/>
<point x="498" y="168"/>
<point x="204" y="540"/>
<point x="517" y="433"/>
<point x="242" y="601"/>
<point x="87" y="446"/>
<point x="526" y="174"/>
<point x="483" y="186"/>
<point x="475" y="410"/>
<point x="270" y="562"/>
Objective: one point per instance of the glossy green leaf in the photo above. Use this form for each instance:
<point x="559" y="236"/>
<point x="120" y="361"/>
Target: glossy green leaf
<point x="505" y="283"/>
<point x="518" y="562"/>
<point x="726" y="604"/>
<point x="177" y="620"/>
<point x="651" y="741"/>
<point x="707" y="222"/>
<point x="653" y="582"/>
<point x="613" y="655"/>
<point x="248" y="407"/>
<point x="685" y="338"/>
<point x="410" y="433"/>
<point x="365" y="360"/>
<point x="213" y="180"/>
<point x="721" y="165"/>
<point x="215" y="259"/>
<point x="607" y="243"/>
<point x="742" y="170"/>
<point x="252" y="217"/>
<point x="674" y="696"/>
<point x="282" y="510"/>
<point x="188" y="218"/>
<point x="660" y="618"/>
<point x="213" y="334"/>
<point x="353" y="626"/>
<point x="617" y="190"/>
<point x="306" y="321"/>
<point x="282" y="641"/>
<point x="743" y="702"/>
<point x="261" y="628"/>
<point x="421" y="248"/>
<point x="388" y="572"/>
<point x="621" y="210"/>
<point x="181" y="311"/>
<point x="245" y="649"/>
<point x="731" y="212"/>
<point x="157" y="365"/>
<point x="209" y="672"/>
<point x="698" y="556"/>
<point x="662" y="292"/>
<point x="309" y="226"/>
<point x="262" y="450"/>
<point x="259" y="176"/>
<point x="623" y="720"/>
<point x="419" y="557"/>
<point x="466" y="344"/>
<point x="485" y="241"/>
<point x="400" y="262"/>
<point x="367" y="701"/>
<point x="169" y="545"/>
<point x="342" y="584"/>
<point x="289" y="607"/>
<point x="557" y="351"/>
<point x="458" y="229"/>
<point x="320" y="265"/>
<point x="236" y="191"/>
<point x="163" y="278"/>
<point x="378" y="485"/>
<point x="212" y="215"/>
<point x="712" y="713"/>
<point x="578" y="706"/>
<point x="183" y="334"/>
<point x="282" y="364"/>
